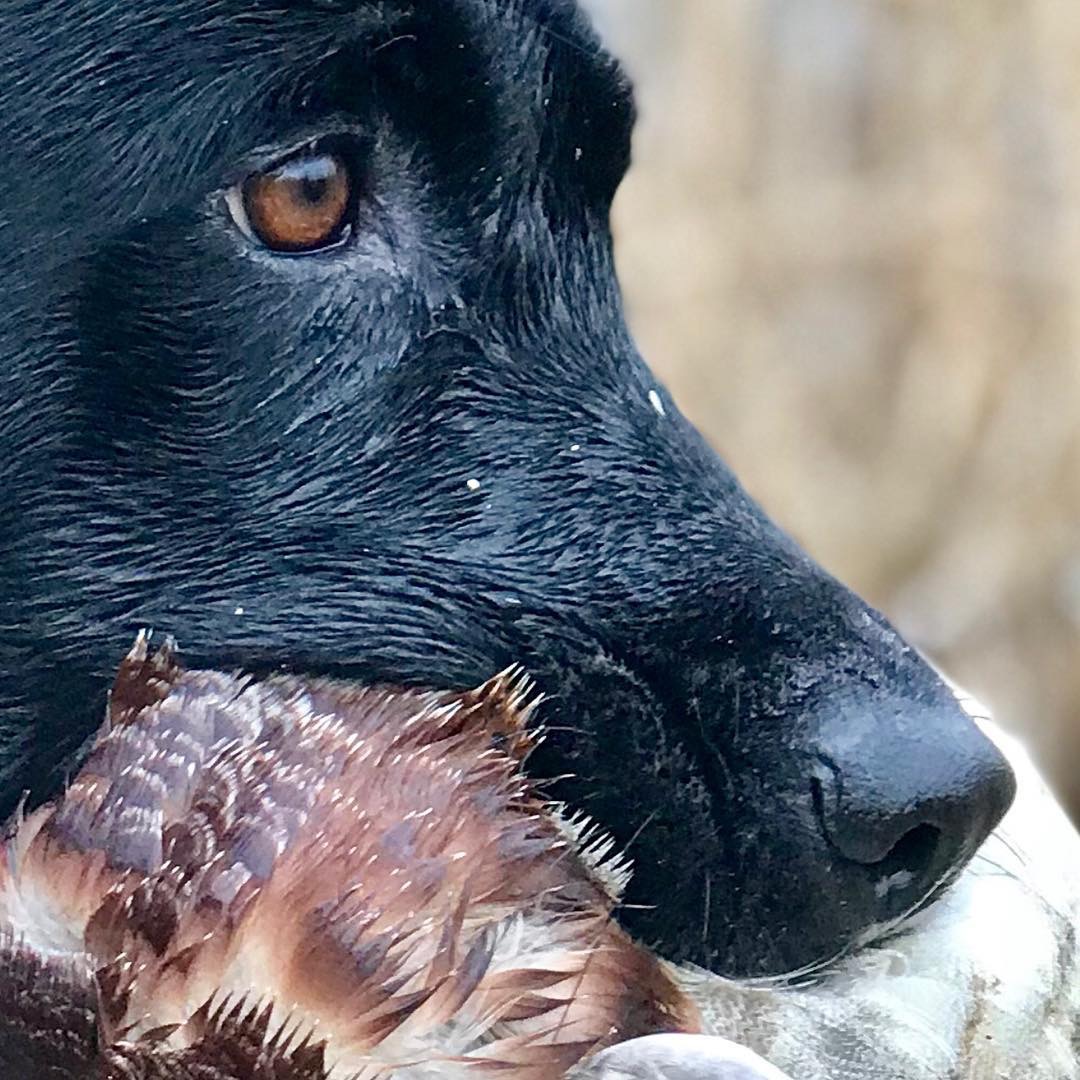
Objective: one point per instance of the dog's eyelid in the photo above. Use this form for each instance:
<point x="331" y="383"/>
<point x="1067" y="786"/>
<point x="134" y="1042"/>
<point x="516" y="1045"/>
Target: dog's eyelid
<point x="234" y="202"/>
<point x="308" y="140"/>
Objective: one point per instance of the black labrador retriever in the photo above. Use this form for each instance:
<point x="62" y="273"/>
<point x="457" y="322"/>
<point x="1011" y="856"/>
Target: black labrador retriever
<point x="314" y="357"/>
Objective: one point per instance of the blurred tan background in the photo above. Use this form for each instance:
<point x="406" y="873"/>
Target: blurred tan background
<point x="851" y="247"/>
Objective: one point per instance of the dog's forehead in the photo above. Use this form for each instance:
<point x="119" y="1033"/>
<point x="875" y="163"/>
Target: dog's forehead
<point x="67" y="61"/>
<point x="131" y="107"/>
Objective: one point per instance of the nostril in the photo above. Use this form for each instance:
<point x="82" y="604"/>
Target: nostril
<point x="874" y="842"/>
<point x="911" y="854"/>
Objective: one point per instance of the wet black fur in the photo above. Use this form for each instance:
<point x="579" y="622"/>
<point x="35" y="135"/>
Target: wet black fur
<point x="191" y="426"/>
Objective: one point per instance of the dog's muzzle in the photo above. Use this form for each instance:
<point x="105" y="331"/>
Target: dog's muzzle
<point x="984" y="983"/>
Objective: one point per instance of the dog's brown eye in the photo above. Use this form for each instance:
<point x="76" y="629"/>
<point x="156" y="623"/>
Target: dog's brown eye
<point x="302" y="205"/>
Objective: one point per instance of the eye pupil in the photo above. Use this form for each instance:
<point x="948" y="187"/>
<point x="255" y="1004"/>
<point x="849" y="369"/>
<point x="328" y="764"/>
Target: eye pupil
<point x="303" y="205"/>
<point x="314" y="191"/>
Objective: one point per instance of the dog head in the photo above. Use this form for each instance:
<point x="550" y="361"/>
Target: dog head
<point x="314" y="355"/>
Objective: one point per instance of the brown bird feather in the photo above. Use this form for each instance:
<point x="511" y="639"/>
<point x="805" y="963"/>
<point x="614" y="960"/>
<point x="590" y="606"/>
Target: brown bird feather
<point x="296" y="880"/>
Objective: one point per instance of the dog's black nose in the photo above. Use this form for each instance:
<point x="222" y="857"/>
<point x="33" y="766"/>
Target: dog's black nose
<point x="910" y="799"/>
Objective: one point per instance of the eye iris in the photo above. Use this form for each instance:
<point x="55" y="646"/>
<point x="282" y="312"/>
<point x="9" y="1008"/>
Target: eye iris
<point x="300" y="206"/>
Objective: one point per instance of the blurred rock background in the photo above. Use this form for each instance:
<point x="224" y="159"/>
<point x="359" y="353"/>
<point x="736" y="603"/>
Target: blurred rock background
<point x="850" y="246"/>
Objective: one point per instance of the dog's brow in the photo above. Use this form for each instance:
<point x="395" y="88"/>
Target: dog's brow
<point x="366" y="18"/>
<point x="591" y="48"/>
<point x="617" y="85"/>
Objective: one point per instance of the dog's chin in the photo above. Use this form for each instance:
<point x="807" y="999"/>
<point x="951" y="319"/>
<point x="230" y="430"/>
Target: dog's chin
<point x="983" y="982"/>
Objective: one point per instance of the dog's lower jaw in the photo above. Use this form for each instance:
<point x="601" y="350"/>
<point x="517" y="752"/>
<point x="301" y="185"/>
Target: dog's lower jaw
<point x="984" y="982"/>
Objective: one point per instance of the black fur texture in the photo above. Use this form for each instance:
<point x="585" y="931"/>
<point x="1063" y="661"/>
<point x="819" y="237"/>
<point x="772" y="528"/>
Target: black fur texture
<point x="427" y="454"/>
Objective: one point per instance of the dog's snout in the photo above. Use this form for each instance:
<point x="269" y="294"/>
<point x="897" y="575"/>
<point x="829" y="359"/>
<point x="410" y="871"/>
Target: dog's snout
<point x="911" y="803"/>
<point x="810" y="780"/>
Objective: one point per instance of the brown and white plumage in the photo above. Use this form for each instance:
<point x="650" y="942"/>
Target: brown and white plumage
<point x="288" y="880"/>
